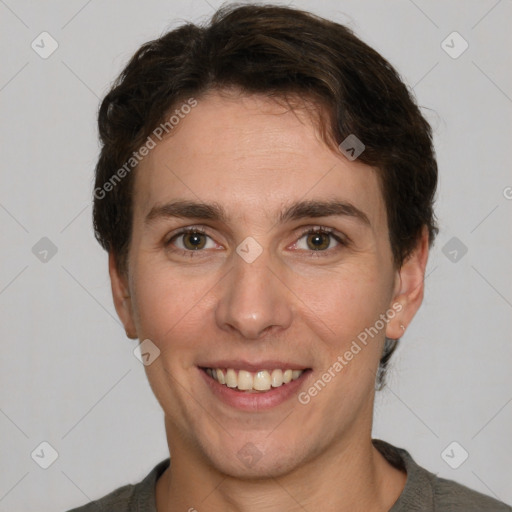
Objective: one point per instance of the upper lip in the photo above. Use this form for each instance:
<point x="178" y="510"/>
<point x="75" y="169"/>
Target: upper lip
<point x="240" y="364"/>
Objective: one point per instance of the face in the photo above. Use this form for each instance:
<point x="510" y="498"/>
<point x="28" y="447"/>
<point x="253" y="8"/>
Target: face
<point x="257" y="250"/>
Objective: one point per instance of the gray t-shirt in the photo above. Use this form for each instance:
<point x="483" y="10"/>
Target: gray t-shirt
<point x="423" y="491"/>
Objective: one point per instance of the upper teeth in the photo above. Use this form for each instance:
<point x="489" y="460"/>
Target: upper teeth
<point x="259" y="381"/>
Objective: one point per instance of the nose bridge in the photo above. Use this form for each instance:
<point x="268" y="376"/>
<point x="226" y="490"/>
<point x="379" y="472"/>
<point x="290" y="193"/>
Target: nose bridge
<point x="252" y="298"/>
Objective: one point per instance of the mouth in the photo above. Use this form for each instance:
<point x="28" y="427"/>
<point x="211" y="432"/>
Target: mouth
<point x="261" y="381"/>
<point x="253" y="386"/>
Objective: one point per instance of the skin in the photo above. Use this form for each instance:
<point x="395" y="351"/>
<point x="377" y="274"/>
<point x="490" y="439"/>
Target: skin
<point x="253" y="157"/>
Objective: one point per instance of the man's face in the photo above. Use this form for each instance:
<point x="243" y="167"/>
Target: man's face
<point x="255" y="290"/>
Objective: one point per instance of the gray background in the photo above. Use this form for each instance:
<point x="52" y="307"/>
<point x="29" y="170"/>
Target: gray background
<point x="68" y="375"/>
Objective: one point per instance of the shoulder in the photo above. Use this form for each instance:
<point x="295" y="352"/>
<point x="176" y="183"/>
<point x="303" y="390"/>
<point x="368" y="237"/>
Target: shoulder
<point x="426" y="492"/>
<point x="131" y="497"/>
<point x="117" y="501"/>
<point x="451" y="496"/>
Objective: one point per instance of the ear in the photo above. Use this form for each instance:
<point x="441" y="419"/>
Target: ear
<point x="121" y="296"/>
<point x="409" y="287"/>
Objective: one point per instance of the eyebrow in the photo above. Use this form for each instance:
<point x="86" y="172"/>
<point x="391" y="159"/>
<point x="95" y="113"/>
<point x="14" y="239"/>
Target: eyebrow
<point x="296" y="211"/>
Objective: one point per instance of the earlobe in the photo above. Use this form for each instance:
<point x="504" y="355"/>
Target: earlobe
<point x="121" y="297"/>
<point x="410" y="287"/>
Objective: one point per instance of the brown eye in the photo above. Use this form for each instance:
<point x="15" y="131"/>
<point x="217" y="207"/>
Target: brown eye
<point x="194" y="241"/>
<point x="189" y="240"/>
<point x="318" y="241"/>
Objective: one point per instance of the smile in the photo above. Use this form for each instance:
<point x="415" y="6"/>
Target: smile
<point x="260" y="381"/>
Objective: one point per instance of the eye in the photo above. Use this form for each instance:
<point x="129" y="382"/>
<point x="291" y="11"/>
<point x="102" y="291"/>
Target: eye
<point x="319" y="240"/>
<point x="191" y="239"/>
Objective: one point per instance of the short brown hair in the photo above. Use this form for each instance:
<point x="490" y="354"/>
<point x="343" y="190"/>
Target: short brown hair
<point x="279" y="52"/>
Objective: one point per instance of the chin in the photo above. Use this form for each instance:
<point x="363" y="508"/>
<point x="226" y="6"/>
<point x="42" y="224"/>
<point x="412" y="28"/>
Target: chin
<point x="256" y="457"/>
<point x="268" y="466"/>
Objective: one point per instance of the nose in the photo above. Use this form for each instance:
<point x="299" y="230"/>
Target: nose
<point x="253" y="299"/>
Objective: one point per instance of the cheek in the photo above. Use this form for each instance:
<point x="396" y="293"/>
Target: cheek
<point x="346" y="299"/>
<point x="167" y="304"/>
<point x="345" y="303"/>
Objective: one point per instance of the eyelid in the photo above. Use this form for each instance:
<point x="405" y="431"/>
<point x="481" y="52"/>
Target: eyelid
<point x="318" y="228"/>
<point x="341" y="239"/>
<point x="185" y="230"/>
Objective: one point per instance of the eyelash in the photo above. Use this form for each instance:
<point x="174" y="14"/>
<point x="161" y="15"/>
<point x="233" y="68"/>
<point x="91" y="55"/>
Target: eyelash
<point x="342" y="240"/>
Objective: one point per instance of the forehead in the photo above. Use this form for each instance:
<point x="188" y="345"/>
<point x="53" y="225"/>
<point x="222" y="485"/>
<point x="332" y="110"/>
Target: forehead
<point x="250" y="152"/>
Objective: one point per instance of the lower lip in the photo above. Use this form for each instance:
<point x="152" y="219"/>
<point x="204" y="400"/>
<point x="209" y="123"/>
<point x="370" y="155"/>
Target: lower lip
<point x="258" y="401"/>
